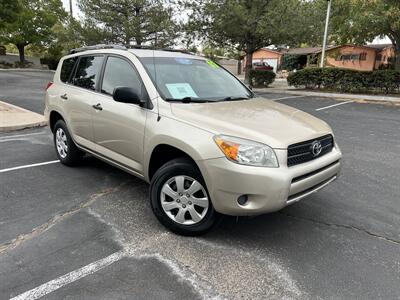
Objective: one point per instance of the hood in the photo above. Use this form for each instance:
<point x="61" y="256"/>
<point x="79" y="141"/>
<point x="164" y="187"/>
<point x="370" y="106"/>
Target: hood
<point x="260" y="120"/>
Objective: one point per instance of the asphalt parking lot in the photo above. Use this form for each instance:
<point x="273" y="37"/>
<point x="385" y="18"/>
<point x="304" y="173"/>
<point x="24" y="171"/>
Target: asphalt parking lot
<point x="88" y="232"/>
<point x="24" y="89"/>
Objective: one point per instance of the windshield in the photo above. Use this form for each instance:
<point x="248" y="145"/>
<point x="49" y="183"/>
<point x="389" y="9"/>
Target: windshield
<point x="193" y="80"/>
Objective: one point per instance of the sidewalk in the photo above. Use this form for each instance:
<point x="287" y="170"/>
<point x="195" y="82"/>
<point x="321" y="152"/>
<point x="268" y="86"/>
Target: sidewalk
<point x="14" y="118"/>
<point x="280" y="86"/>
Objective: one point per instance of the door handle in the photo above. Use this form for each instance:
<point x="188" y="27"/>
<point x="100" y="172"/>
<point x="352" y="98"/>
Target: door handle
<point x="97" y="106"/>
<point x="64" y="97"/>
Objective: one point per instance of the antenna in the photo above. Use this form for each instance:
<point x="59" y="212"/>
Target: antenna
<point x="155" y="77"/>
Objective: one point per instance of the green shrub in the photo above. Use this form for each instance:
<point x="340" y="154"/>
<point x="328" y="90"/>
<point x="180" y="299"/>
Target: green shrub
<point x="261" y="78"/>
<point x="344" y="80"/>
<point x="51" y="62"/>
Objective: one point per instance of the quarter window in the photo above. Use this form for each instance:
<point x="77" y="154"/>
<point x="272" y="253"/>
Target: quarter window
<point x="66" y="69"/>
<point x="120" y="73"/>
<point x="87" y="72"/>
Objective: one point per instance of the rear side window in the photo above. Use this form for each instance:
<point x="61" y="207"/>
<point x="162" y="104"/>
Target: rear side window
<point x="87" y="72"/>
<point x="66" y="69"/>
<point x="118" y="73"/>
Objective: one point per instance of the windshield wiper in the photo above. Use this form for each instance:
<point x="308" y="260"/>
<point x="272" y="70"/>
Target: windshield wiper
<point x="233" y="98"/>
<point x="188" y="100"/>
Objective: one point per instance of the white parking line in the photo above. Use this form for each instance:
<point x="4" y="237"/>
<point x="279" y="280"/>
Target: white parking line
<point x="68" y="278"/>
<point x="20" y="135"/>
<point x="289" y="97"/>
<point x="29" y="166"/>
<point x="334" y="105"/>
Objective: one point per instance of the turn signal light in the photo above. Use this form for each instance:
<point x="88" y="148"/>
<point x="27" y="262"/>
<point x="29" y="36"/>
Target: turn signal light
<point x="229" y="148"/>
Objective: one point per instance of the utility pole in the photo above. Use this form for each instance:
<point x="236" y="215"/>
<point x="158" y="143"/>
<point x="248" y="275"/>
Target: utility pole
<point x="70" y="8"/>
<point x="328" y="15"/>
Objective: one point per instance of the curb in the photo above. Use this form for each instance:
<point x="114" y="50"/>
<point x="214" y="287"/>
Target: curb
<point x="27" y="70"/>
<point x="16" y="118"/>
<point x="4" y="129"/>
<point x="331" y="95"/>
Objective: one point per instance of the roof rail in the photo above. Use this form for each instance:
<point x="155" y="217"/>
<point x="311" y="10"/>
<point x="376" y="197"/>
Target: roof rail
<point x="140" y="47"/>
<point x="176" y="50"/>
<point x="144" y="47"/>
<point x="97" y="47"/>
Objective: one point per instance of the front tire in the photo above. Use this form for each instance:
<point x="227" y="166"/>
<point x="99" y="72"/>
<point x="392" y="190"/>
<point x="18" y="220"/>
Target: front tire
<point x="180" y="200"/>
<point x="67" y="152"/>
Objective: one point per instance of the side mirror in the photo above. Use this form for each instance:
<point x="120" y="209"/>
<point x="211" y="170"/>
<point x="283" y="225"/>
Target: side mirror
<point x="127" y="95"/>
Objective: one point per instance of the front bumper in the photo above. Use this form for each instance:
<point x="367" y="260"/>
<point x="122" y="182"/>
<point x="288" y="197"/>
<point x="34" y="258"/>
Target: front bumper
<point x="267" y="189"/>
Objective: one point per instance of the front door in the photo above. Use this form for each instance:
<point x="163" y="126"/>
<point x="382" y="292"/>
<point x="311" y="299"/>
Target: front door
<point x="119" y="127"/>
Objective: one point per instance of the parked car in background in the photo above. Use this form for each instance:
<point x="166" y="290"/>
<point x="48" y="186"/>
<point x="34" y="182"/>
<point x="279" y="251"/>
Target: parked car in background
<point x="262" y="66"/>
<point x="205" y="143"/>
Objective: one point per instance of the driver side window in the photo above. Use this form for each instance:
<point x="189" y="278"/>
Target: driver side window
<point x="119" y="73"/>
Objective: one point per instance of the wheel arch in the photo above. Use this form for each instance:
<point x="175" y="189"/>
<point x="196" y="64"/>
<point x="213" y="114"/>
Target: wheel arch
<point x="163" y="153"/>
<point x="53" y="118"/>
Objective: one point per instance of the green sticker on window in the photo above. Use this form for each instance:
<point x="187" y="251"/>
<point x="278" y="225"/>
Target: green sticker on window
<point x="212" y="64"/>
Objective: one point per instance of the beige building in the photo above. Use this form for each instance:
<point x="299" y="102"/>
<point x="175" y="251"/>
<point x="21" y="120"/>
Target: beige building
<point x="362" y="58"/>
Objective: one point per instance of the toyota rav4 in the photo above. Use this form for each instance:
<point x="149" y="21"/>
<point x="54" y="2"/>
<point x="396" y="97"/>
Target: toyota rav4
<point x="205" y="143"/>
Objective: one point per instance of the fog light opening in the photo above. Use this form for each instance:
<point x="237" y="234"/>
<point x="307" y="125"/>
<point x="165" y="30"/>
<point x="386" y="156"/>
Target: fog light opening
<point x="242" y="200"/>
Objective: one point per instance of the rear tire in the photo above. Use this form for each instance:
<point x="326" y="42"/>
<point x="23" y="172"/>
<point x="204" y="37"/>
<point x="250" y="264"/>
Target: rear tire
<point x="180" y="200"/>
<point x="67" y="152"/>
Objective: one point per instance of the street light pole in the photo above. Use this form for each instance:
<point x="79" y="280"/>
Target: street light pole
<point x="70" y="8"/>
<point x="328" y="14"/>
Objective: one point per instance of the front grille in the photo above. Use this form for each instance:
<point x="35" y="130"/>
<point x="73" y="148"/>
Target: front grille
<point x="302" y="152"/>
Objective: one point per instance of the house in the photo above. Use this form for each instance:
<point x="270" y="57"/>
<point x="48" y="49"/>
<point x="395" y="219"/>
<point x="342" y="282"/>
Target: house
<point x="385" y="56"/>
<point x="272" y="57"/>
<point x="361" y="58"/>
<point x="306" y="56"/>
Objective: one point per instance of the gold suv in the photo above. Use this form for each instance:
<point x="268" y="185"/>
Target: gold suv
<point x="205" y="143"/>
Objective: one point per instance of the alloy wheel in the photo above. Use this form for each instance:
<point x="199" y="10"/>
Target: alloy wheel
<point x="184" y="200"/>
<point x="61" y="143"/>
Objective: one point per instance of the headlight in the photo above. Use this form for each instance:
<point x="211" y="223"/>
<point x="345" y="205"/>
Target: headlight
<point x="247" y="152"/>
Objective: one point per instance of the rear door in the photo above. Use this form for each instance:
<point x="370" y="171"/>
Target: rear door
<point x="79" y="98"/>
<point x="119" y="127"/>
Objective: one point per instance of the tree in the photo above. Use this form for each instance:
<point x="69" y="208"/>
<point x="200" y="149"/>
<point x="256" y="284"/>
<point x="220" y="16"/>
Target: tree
<point x="32" y="24"/>
<point x="360" y="21"/>
<point x="132" y="21"/>
<point x="8" y="11"/>
<point x="248" y="25"/>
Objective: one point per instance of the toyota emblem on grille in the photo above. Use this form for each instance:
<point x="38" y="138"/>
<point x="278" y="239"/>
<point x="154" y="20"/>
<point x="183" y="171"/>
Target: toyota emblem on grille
<point x="316" y="148"/>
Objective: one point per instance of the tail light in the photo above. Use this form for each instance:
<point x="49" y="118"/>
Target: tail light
<point x="49" y="85"/>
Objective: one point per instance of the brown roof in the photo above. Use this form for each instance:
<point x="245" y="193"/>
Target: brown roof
<point x="316" y="50"/>
<point x="380" y="46"/>
<point x="271" y="50"/>
<point x="303" y="51"/>
<point x="377" y="47"/>
<point x="306" y="51"/>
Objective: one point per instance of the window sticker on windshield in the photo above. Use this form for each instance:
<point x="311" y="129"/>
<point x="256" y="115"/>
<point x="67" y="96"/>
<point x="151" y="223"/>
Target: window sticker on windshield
<point x="181" y="90"/>
<point x="184" y="61"/>
<point x="212" y="64"/>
